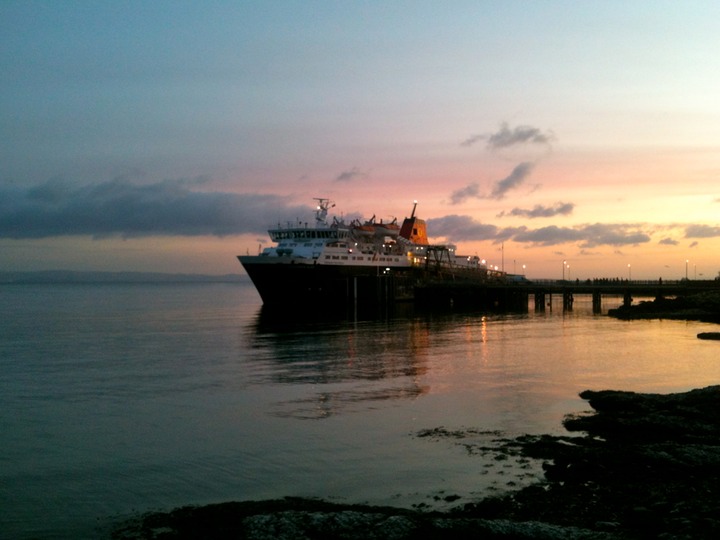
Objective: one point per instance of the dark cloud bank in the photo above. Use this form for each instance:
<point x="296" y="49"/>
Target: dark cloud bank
<point x="120" y="208"/>
<point x="464" y="228"/>
<point x="181" y="208"/>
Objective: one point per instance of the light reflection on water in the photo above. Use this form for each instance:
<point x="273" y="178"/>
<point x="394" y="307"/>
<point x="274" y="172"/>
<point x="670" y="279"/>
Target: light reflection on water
<point x="134" y="397"/>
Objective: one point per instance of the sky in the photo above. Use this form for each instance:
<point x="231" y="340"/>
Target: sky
<point x="551" y="138"/>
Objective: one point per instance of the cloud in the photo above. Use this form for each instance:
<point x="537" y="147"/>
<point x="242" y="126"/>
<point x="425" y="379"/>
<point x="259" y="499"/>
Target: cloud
<point x="518" y="175"/>
<point x="539" y="211"/>
<point x="457" y="228"/>
<point x="701" y="231"/>
<point x="586" y="236"/>
<point x="694" y="244"/>
<point x="460" y="228"/>
<point x="668" y="242"/>
<point x="507" y="137"/>
<point x="460" y="195"/>
<point x="515" y="179"/>
<point x="613" y="235"/>
<point x="549" y="236"/>
<point x="352" y="174"/>
<point x="121" y="208"/>
<point x="472" y="139"/>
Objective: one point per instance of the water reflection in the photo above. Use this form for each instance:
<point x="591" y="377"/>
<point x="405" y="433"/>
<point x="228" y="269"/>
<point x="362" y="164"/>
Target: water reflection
<point x="338" y="365"/>
<point x="329" y="365"/>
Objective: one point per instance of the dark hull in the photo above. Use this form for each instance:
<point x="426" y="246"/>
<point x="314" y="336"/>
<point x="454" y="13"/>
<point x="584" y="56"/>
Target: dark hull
<point x="282" y="284"/>
<point x="313" y="285"/>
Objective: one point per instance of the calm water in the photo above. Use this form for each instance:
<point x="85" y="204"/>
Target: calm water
<point x="117" y="399"/>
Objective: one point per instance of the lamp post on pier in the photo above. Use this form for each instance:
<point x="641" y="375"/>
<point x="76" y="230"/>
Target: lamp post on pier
<point x="629" y="273"/>
<point x="686" y="269"/>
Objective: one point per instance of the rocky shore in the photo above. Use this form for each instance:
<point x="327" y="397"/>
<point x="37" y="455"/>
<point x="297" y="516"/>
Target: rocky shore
<point x="698" y="307"/>
<point x="638" y="466"/>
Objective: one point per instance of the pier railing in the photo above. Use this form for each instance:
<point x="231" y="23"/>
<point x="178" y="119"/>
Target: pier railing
<point x="619" y="286"/>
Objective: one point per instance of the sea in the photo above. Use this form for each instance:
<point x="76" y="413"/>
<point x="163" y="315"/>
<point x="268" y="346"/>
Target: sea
<point x="118" y="399"/>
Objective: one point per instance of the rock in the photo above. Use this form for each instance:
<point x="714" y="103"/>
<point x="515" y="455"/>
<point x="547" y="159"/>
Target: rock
<point x="347" y="524"/>
<point x="684" y="417"/>
<point x="697" y="307"/>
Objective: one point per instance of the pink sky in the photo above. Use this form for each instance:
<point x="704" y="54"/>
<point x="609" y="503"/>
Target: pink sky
<point x="169" y="136"/>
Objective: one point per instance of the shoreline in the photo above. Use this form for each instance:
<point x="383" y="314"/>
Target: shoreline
<point x="637" y="466"/>
<point x="704" y="307"/>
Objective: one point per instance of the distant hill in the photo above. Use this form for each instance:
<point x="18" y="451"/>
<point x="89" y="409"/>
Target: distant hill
<point x="70" y="276"/>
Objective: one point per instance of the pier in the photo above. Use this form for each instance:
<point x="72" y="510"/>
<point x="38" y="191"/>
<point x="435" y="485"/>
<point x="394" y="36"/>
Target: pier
<point x="542" y="290"/>
<point x="510" y="295"/>
<point x="323" y="287"/>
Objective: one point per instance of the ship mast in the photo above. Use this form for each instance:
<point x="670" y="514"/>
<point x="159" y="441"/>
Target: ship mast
<point x="322" y="210"/>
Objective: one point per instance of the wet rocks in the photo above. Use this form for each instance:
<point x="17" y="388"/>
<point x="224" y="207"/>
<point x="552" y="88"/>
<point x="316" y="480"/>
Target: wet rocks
<point x="692" y="416"/>
<point x="649" y="463"/>
<point x="301" y="519"/>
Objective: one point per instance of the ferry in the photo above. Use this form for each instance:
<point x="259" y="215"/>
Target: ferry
<point x="360" y="261"/>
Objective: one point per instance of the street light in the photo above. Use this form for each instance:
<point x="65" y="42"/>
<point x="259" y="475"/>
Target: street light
<point x="686" y="266"/>
<point x="629" y="273"/>
<point x="564" y="263"/>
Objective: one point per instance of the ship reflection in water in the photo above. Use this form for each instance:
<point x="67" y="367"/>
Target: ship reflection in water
<point x="348" y="364"/>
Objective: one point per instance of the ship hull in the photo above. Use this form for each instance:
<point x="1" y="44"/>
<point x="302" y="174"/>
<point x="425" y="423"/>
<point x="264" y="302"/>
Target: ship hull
<point x="289" y="284"/>
<point x="286" y="282"/>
